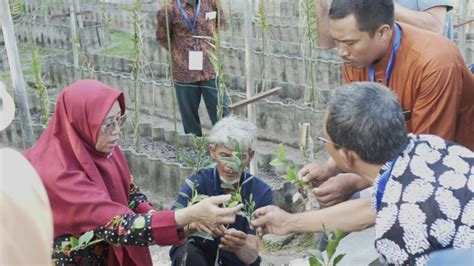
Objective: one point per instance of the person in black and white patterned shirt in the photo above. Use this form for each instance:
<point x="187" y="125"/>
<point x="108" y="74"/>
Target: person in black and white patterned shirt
<point x="423" y="186"/>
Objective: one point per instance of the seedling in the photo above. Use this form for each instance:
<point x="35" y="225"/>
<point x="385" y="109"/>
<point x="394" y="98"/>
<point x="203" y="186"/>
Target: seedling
<point x="291" y="174"/>
<point x="317" y="258"/>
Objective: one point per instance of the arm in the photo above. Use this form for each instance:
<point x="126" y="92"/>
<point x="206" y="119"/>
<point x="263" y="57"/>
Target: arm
<point x="431" y="19"/>
<point x="244" y="246"/>
<point x="141" y="229"/>
<point x="161" y="31"/>
<point x="273" y="220"/>
<point x="362" y="216"/>
<point x="322" y="24"/>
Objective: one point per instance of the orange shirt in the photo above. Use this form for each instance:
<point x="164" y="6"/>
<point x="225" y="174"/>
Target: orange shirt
<point x="431" y="79"/>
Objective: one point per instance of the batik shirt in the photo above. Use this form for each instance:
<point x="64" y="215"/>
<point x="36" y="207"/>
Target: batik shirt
<point x="139" y="229"/>
<point x="428" y="202"/>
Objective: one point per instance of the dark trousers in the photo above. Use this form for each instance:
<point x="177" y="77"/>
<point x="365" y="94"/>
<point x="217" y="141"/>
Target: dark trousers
<point x="196" y="256"/>
<point x="189" y="98"/>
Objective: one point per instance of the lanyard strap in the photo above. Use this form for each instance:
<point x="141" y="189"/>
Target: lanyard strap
<point x="388" y="71"/>
<point x="191" y="26"/>
<point x="383" y="183"/>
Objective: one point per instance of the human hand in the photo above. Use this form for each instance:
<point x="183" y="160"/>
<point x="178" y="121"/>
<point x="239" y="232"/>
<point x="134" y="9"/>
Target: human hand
<point x="212" y="231"/>
<point x="233" y="240"/>
<point x="318" y="173"/>
<point x="208" y="212"/>
<point x="271" y="220"/>
<point x="336" y="189"/>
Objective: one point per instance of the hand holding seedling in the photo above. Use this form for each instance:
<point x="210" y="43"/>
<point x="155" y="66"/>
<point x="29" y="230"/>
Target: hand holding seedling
<point x="233" y="240"/>
<point x="212" y="231"/>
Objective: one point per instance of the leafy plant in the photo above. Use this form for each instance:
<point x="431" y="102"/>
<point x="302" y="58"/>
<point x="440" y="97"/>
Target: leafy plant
<point x="318" y="258"/>
<point x="201" y="144"/>
<point x="309" y="32"/>
<point x="40" y="88"/>
<point x="136" y="65"/>
<point x="291" y="173"/>
<point x="263" y="25"/>
<point x="195" y="198"/>
<point x="76" y="244"/>
<point x="170" y="71"/>
<point x="235" y="162"/>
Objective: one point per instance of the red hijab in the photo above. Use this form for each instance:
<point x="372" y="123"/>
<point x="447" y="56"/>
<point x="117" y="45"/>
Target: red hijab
<point x="86" y="188"/>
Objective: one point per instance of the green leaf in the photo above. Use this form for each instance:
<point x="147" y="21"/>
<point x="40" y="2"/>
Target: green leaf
<point x="276" y="162"/>
<point x="203" y="235"/>
<point x="291" y="173"/>
<point x="316" y="253"/>
<point x="331" y="247"/>
<point x="338" y="259"/>
<point x="139" y="223"/>
<point x="234" y="162"/>
<point x="237" y="197"/>
<point x="85" y="238"/>
<point x="74" y="241"/>
<point x="314" y="262"/>
<point x="233" y="204"/>
<point x="281" y="152"/>
<point x="339" y="234"/>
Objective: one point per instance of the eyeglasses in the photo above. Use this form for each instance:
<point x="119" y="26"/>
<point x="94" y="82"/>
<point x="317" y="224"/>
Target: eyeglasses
<point x="110" y="126"/>
<point x="325" y="141"/>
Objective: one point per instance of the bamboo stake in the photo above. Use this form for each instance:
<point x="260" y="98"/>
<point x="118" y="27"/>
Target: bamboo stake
<point x="16" y="73"/>
<point x="251" y="115"/>
<point x="255" y="98"/>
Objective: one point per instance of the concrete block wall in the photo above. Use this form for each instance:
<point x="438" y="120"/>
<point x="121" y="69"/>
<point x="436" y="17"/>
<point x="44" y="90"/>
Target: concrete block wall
<point x="57" y="34"/>
<point x="276" y="121"/>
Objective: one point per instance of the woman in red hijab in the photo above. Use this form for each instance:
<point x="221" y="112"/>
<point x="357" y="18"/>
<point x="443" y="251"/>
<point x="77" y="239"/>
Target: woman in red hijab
<point x="89" y="185"/>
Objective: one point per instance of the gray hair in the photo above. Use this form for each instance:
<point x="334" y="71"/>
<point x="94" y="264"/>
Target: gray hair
<point x="365" y="117"/>
<point x="230" y="129"/>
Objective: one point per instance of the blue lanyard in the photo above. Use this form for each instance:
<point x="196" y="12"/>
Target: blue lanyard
<point x="383" y="183"/>
<point x="388" y="71"/>
<point x="191" y="26"/>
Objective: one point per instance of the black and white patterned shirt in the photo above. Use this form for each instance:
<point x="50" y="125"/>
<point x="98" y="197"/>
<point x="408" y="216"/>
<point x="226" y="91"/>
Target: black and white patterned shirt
<point x="428" y="202"/>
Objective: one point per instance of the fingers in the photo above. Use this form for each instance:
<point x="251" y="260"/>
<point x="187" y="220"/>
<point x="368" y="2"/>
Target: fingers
<point x="233" y="240"/>
<point x="217" y="200"/>
<point x="205" y="229"/>
<point x="218" y="231"/>
<point x="264" y="210"/>
<point x="227" y="215"/>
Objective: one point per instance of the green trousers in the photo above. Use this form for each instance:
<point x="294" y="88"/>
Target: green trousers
<point x="189" y="98"/>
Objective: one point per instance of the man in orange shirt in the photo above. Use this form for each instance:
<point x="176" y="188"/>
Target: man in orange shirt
<point x="425" y="70"/>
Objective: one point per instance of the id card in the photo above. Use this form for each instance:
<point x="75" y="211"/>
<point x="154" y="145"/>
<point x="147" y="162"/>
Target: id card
<point x="211" y="15"/>
<point x="196" y="60"/>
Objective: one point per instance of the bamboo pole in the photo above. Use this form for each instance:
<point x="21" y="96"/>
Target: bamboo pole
<point x="75" y="52"/>
<point x="255" y="98"/>
<point x="248" y="27"/>
<point x="16" y="73"/>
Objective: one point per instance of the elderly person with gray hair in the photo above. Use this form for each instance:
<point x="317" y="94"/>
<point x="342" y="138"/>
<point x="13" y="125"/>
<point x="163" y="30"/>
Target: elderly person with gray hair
<point x="423" y="186"/>
<point x="235" y="243"/>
